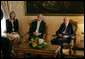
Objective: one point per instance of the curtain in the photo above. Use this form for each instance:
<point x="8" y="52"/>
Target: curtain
<point x="5" y="6"/>
<point x="6" y="10"/>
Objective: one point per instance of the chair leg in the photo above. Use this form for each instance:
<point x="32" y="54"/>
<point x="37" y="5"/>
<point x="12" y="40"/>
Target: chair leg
<point x="70" y="52"/>
<point x="74" y="51"/>
<point x="14" y="53"/>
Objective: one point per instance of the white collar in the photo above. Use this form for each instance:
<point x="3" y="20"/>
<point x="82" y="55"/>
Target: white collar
<point x="39" y="21"/>
<point x="67" y="24"/>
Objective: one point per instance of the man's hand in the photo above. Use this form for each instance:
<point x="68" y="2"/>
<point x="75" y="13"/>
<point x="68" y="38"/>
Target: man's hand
<point x="65" y="36"/>
<point x="36" y="34"/>
<point x="60" y="35"/>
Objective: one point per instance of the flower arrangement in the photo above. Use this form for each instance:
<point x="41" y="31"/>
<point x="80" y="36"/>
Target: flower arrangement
<point x="37" y="42"/>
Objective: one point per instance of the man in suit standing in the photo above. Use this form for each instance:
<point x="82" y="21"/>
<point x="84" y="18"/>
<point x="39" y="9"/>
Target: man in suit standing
<point x="64" y="33"/>
<point x="38" y="27"/>
<point x="4" y="41"/>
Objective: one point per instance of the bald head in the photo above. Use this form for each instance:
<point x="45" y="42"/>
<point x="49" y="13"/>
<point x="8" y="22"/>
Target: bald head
<point x="39" y="17"/>
<point x="66" y="20"/>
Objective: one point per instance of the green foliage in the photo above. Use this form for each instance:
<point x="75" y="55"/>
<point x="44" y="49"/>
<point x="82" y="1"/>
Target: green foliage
<point x="34" y="43"/>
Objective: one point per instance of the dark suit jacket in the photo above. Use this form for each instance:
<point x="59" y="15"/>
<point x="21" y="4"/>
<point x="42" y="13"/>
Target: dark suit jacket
<point x="1" y="14"/>
<point x="9" y="26"/>
<point x="69" y="31"/>
<point x="33" y="27"/>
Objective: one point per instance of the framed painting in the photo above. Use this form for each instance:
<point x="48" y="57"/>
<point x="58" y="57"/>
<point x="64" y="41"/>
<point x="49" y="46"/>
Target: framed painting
<point x="54" y="7"/>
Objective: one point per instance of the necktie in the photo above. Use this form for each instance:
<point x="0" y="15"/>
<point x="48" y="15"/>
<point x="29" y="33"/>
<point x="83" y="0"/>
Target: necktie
<point x="64" y="29"/>
<point x="38" y="24"/>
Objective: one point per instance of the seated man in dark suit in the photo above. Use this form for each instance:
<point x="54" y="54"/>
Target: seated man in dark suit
<point x="37" y="28"/>
<point x="64" y="34"/>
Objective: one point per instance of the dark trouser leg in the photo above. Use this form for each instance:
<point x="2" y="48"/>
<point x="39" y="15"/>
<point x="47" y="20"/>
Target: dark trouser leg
<point x="5" y="47"/>
<point x="53" y="41"/>
<point x="60" y="41"/>
<point x="61" y="51"/>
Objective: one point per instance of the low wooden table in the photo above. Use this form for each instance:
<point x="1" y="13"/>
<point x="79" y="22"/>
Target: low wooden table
<point x="50" y="50"/>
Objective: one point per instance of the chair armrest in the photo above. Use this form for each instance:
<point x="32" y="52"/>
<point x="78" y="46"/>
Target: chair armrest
<point x="73" y="37"/>
<point x="54" y="35"/>
<point x="24" y="35"/>
<point x="73" y="41"/>
<point x="44" y="36"/>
